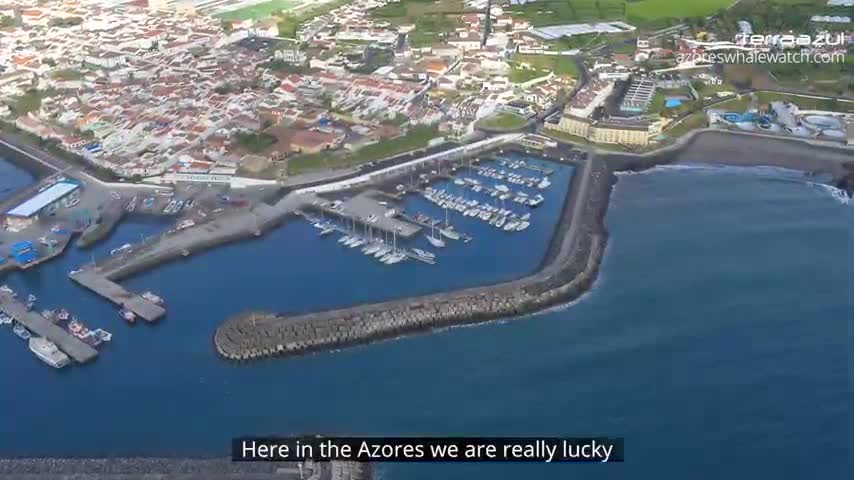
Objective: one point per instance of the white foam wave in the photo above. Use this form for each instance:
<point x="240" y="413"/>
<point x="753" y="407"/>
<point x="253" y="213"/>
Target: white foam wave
<point x="837" y="194"/>
<point x="719" y="168"/>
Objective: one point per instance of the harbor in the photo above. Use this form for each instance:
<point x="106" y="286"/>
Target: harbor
<point x="389" y="224"/>
<point x="63" y="343"/>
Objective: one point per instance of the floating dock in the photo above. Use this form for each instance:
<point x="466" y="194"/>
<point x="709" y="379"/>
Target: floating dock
<point x="103" y="286"/>
<point x="75" y="348"/>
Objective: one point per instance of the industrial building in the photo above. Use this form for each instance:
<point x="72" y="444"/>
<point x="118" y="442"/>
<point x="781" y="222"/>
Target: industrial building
<point x="47" y="200"/>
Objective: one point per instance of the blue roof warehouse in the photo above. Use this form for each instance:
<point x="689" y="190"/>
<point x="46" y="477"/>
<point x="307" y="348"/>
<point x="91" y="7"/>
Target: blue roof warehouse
<point x="45" y="201"/>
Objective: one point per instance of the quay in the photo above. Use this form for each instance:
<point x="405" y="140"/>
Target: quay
<point x="75" y="348"/>
<point x="100" y="284"/>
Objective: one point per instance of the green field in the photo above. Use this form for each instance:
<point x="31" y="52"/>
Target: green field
<point x="431" y="18"/>
<point x="260" y="10"/>
<point x="651" y="10"/>
<point x="417" y="137"/>
<point x="643" y="12"/>
<point x="503" y="121"/>
<point x="540" y="66"/>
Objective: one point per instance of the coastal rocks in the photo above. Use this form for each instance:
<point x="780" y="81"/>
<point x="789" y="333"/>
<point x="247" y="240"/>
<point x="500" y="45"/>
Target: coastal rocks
<point x="569" y="269"/>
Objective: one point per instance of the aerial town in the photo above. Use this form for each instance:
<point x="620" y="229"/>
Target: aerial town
<point x="147" y="89"/>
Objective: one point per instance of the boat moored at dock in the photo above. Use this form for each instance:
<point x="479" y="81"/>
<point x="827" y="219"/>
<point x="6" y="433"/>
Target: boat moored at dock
<point x="48" y="352"/>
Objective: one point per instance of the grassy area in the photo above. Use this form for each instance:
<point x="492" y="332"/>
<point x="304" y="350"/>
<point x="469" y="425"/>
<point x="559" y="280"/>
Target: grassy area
<point x="255" y="142"/>
<point x="503" y="121"/>
<point x="431" y="18"/>
<point x="290" y="22"/>
<point x="737" y="104"/>
<point x="260" y="10"/>
<point x="417" y="137"/>
<point x="806" y="103"/>
<point x="653" y="10"/>
<point x="29" y="101"/>
<point x="527" y="67"/>
<point x="689" y="123"/>
<point x="67" y="74"/>
<point x="640" y="12"/>
<point x="556" y="12"/>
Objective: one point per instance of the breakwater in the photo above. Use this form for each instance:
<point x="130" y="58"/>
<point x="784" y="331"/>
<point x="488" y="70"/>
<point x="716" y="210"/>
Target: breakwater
<point x="569" y="268"/>
<point x="185" y="468"/>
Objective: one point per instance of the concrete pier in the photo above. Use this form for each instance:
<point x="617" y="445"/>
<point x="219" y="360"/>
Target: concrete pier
<point x="103" y="286"/>
<point x="75" y="348"/>
<point x="362" y="207"/>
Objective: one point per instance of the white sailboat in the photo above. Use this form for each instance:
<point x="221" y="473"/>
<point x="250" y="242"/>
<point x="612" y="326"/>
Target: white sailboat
<point x="436" y="242"/>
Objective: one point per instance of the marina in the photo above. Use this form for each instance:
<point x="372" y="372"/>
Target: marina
<point x="386" y="226"/>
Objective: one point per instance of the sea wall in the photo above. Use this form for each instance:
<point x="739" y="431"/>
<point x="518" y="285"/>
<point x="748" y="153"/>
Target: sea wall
<point x="570" y="267"/>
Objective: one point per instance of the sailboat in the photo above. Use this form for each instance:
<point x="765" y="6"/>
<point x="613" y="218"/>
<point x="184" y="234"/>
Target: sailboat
<point x="448" y="231"/>
<point x="435" y="241"/>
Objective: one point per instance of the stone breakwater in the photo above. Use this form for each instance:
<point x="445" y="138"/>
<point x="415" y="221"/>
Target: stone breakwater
<point x="184" y="468"/>
<point x="569" y="269"/>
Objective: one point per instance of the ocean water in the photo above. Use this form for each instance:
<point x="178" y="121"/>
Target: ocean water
<point x="717" y="341"/>
<point x="12" y="179"/>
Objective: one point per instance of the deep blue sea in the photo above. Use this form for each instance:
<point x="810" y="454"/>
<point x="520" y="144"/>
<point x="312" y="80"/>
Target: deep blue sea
<point x="717" y="341"/>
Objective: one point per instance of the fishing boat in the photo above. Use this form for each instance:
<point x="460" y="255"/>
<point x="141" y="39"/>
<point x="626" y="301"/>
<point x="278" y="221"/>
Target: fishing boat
<point x="104" y="335"/>
<point x="22" y="331"/>
<point x="121" y="249"/>
<point x="48" y="352"/>
<point x="449" y="233"/>
<point x="129" y="316"/>
<point x="151" y="297"/>
<point x="170" y="207"/>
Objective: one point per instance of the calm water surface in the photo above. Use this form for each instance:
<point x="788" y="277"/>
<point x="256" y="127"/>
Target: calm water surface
<point x="716" y="341"/>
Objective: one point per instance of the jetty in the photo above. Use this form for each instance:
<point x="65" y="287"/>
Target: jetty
<point x="75" y="348"/>
<point x="103" y="286"/>
<point x="570" y="267"/>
